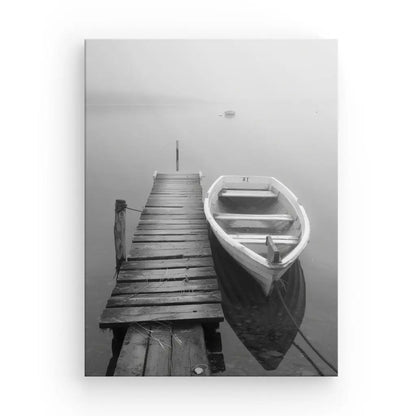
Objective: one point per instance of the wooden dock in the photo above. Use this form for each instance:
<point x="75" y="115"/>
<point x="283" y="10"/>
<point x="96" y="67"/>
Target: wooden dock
<point x="166" y="296"/>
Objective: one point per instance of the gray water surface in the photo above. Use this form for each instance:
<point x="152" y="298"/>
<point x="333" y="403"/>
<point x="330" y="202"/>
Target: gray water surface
<point x="294" y="142"/>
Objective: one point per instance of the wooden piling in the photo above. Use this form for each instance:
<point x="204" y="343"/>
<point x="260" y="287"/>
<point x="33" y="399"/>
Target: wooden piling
<point x="120" y="232"/>
<point x="177" y="155"/>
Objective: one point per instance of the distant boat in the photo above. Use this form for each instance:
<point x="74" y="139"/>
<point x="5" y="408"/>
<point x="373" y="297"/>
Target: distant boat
<point x="259" y="222"/>
<point x="229" y="113"/>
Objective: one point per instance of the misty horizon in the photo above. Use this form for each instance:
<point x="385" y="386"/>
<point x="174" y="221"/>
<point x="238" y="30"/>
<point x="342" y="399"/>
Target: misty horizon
<point x="161" y="72"/>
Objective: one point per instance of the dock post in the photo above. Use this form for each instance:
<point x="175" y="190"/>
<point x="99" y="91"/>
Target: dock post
<point x="120" y="232"/>
<point x="177" y="155"/>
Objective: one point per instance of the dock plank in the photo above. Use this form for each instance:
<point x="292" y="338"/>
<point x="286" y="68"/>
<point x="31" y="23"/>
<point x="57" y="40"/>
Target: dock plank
<point x="151" y="254"/>
<point x="122" y="288"/>
<point x="174" y="221"/>
<point x="116" y="317"/>
<point x="194" y="216"/>
<point x="192" y="273"/>
<point x="174" y="211"/>
<point x="171" y="204"/>
<point x="169" y="227"/>
<point x="170" y="238"/>
<point x="169" y="245"/>
<point x="164" y="299"/>
<point x="131" y="361"/>
<point x="189" y="355"/>
<point x="158" y="362"/>
<point x="175" y="231"/>
<point x="168" y="263"/>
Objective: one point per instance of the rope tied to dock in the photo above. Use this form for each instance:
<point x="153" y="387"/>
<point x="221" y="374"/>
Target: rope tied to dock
<point x="134" y="209"/>
<point x="123" y="205"/>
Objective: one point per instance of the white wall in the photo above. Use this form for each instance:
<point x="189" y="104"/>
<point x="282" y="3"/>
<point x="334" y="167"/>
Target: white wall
<point x="42" y="171"/>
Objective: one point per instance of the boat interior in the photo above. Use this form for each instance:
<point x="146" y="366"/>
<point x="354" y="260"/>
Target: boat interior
<point x="255" y="213"/>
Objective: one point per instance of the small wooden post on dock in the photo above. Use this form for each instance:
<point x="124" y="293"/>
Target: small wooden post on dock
<point x="177" y="155"/>
<point x="120" y="232"/>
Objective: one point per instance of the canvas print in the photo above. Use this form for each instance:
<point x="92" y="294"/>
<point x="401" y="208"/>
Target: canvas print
<point x="211" y="208"/>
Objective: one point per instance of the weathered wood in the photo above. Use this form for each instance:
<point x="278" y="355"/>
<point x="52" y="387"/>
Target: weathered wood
<point x="131" y="361"/>
<point x="159" y="353"/>
<point x="164" y="299"/>
<point x="177" y="155"/>
<point x="177" y="198"/>
<point x="177" y="190"/>
<point x="176" y="176"/>
<point x="170" y="204"/>
<point x="186" y="187"/>
<point x="163" y="221"/>
<point x="273" y="254"/>
<point x="174" y="231"/>
<point x="113" y="317"/>
<point x="192" y="273"/>
<point x="143" y="254"/>
<point x="190" y="200"/>
<point x="182" y="217"/>
<point x="174" y="193"/>
<point x="169" y="245"/>
<point x="169" y="263"/>
<point x="171" y="238"/>
<point x="165" y="286"/>
<point x="169" y="276"/>
<point x="189" y="355"/>
<point x="173" y="211"/>
<point x="120" y="232"/>
<point x="177" y="182"/>
<point x="166" y="201"/>
<point x="200" y="226"/>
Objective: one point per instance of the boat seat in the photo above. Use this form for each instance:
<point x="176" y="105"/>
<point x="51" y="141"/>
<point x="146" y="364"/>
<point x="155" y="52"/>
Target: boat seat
<point x="290" y="240"/>
<point x="254" y="217"/>
<point x="246" y="193"/>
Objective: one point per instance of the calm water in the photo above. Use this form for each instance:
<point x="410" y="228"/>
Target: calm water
<point x="294" y="143"/>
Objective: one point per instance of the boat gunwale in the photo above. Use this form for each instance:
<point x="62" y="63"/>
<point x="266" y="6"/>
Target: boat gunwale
<point x="293" y="200"/>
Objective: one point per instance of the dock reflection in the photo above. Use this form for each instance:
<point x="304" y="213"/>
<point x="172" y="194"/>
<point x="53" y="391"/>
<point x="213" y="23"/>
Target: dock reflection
<point x="260" y="322"/>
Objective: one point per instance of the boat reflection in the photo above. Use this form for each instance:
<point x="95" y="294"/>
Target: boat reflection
<point x="261" y="323"/>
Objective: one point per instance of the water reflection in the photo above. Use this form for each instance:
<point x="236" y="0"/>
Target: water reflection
<point x="260" y="322"/>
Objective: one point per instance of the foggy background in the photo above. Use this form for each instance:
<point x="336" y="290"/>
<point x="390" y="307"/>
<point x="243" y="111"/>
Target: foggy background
<point x="168" y="72"/>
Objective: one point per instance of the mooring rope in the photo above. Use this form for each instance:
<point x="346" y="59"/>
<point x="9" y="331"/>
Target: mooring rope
<point x="134" y="209"/>
<point x="303" y="335"/>
<point x="309" y="359"/>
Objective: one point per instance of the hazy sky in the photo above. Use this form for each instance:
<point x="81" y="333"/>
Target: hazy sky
<point x="169" y="71"/>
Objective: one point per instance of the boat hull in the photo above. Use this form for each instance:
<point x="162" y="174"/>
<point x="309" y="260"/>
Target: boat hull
<point x="265" y="276"/>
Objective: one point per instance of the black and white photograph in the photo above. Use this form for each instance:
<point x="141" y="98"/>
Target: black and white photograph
<point x="211" y="208"/>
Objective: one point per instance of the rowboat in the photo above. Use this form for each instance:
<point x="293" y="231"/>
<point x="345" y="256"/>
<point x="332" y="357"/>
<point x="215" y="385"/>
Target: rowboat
<point x="259" y="222"/>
